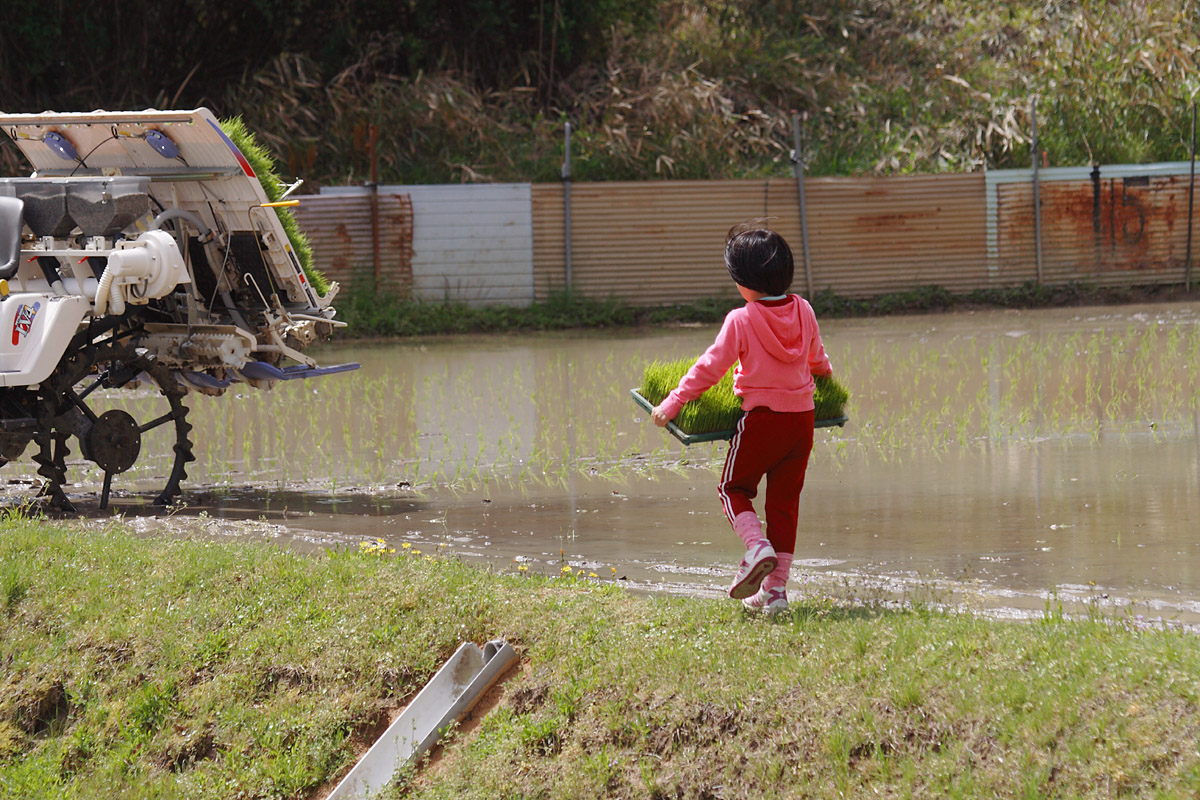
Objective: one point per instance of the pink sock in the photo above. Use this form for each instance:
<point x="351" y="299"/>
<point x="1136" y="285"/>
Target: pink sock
<point x="779" y="576"/>
<point x="748" y="528"/>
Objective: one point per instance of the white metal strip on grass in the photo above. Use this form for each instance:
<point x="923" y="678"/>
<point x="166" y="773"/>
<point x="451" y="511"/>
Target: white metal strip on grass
<point x="446" y="699"/>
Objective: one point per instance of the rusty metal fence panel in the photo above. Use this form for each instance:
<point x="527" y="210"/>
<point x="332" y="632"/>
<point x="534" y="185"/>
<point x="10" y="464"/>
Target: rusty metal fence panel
<point x="878" y="235"/>
<point x="343" y="237"/>
<point x="460" y="243"/>
<point x="1113" y="225"/>
<point x="660" y="242"/>
<point x="645" y="242"/>
<point x="663" y="241"/>
<point x="549" y="248"/>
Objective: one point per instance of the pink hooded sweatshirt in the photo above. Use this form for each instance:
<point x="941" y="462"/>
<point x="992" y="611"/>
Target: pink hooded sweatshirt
<point x="778" y="345"/>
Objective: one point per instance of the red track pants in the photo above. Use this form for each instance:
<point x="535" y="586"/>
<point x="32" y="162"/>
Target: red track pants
<point x="776" y="444"/>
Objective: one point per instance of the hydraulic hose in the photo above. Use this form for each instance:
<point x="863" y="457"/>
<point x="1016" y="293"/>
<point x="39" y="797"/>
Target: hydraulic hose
<point x="49" y="265"/>
<point x="184" y="214"/>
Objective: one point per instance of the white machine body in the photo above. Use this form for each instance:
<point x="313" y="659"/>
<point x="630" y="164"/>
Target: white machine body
<point x="140" y="270"/>
<point x="162" y="208"/>
<point x="35" y="328"/>
<point x="143" y="247"/>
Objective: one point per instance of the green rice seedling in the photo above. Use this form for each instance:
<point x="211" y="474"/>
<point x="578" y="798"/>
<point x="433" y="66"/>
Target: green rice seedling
<point x="263" y="164"/>
<point x="719" y="409"/>
<point x="830" y="398"/>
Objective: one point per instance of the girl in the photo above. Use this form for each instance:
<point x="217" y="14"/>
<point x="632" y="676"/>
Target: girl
<point x="777" y="344"/>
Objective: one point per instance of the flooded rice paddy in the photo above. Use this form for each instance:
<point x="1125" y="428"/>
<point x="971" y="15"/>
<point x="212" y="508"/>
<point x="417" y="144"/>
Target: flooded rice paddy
<point x="999" y="460"/>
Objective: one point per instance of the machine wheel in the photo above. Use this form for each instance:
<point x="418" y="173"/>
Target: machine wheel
<point x="113" y="439"/>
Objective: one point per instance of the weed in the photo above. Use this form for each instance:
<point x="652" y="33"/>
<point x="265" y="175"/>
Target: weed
<point x="150" y="707"/>
<point x="371" y="313"/>
<point x="14" y="586"/>
<point x="385" y="313"/>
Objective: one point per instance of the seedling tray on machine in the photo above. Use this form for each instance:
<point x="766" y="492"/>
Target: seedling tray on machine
<point x="713" y="436"/>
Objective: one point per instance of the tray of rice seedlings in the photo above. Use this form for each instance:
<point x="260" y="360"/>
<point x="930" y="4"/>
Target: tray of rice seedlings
<point x="263" y="164"/>
<point x="714" y="414"/>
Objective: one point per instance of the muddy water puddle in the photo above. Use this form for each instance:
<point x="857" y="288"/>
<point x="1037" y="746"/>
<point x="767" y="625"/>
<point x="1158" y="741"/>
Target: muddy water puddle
<point x="1003" y="461"/>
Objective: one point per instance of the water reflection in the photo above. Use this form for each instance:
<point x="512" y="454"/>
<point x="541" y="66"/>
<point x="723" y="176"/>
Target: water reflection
<point x="994" y="453"/>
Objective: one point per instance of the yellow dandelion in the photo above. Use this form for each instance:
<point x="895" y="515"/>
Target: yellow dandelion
<point x="614" y="570"/>
<point x="523" y="568"/>
<point x="416" y="552"/>
<point x="406" y="545"/>
<point x="592" y="575"/>
<point x="566" y="570"/>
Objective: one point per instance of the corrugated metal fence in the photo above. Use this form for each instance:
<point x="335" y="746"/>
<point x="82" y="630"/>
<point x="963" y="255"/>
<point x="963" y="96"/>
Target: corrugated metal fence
<point x="1109" y="226"/>
<point x="468" y="244"/>
<point x="662" y="241"/>
<point x="355" y="245"/>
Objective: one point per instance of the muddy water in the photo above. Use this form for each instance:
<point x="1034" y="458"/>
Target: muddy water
<point x="1006" y="461"/>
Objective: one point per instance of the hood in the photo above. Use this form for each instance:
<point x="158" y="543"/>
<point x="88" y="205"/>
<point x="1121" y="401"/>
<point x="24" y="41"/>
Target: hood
<point x="779" y="328"/>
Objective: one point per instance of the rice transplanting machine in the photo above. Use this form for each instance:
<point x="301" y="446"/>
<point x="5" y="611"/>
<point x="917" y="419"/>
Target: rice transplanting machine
<point x="142" y="248"/>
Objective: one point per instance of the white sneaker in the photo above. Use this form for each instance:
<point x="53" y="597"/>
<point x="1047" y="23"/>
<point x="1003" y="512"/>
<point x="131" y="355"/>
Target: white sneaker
<point x="756" y="565"/>
<point x="769" y="601"/>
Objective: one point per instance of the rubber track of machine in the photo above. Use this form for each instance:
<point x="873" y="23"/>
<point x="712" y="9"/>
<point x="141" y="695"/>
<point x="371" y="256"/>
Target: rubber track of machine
<point x="52" y="443"/>
<point x="54" y="470"/>
<point x="51" y="456"/>
<point x="183" y="443"/>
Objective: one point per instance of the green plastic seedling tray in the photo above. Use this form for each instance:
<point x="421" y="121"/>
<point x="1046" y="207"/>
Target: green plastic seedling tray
<point x="713" y="436"/>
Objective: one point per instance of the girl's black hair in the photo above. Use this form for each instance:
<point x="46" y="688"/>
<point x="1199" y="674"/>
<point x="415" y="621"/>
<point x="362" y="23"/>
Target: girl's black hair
<point x="759" y="259"/>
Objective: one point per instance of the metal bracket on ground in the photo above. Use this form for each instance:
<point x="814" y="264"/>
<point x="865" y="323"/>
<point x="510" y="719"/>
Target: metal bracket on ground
<point x="446" y="699"/>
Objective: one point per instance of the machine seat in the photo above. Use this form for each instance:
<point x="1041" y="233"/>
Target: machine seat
<point x="10" y="235"/>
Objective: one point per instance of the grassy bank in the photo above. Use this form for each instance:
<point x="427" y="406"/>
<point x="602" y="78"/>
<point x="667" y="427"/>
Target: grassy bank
<point x="372" y="314"/>
<point x="136" y="668"/>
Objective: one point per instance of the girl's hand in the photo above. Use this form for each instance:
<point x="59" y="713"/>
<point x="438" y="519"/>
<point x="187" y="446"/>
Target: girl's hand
<point x="659" y="418"/>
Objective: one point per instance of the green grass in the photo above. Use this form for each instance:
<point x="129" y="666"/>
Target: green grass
<point x="137" y="668"/>
<point x="263" y="164"/>
<point x="719" y="409"/>
<point x="384" y="313"/>
<point x="371" y="313"/>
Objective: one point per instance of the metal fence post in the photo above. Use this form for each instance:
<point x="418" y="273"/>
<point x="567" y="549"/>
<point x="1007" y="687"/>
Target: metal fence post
<point x="374" y="155"/>
<point x="1037" y="201"/>
<point x="798" y="171"/>
<point x="566" y="179"/>
<point x="1187" y="272"/>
